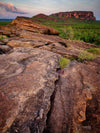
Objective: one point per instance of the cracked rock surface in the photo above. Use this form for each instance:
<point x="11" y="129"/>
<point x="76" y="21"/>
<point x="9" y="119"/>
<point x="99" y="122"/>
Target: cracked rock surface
<point x="75" y="103"/>
<point x="27" y="81"/>
<point x="36" y="96"/>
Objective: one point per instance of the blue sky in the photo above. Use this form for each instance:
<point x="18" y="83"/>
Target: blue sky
<point x="33" y="7"/>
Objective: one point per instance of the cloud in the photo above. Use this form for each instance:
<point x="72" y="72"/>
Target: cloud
<point x="11" y="8"/>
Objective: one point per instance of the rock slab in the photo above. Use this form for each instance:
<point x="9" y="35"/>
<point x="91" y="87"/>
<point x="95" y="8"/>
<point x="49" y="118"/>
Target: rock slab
<point x="27" y="81"/>
<point x="75" y="102"/>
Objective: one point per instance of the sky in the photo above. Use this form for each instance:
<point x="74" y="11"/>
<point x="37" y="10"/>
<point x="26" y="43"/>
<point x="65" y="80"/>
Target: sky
<point x="13" y="8"/>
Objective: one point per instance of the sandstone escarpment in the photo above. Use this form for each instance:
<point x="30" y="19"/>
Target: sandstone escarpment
<point x="85" y="15"/>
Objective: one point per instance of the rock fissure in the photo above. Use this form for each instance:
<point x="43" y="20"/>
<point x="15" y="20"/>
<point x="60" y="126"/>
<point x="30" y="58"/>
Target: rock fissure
<point x="73" y="111"/>
<point x="52" y="98"/>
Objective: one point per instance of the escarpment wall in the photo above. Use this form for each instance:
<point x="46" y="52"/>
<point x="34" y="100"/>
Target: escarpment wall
<point x="88" y="15"/>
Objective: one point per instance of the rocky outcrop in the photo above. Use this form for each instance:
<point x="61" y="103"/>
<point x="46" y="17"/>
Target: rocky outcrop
<point x="85" y="15"/>
<point x="20" y="25"/>
<point x="36" y="96"/>
<point x="75" y="102"/>
<point x="27" y="81"/>
<point x="33" y="27"/>
<point x="5" y="49"/>
<point x="66" y="48"/>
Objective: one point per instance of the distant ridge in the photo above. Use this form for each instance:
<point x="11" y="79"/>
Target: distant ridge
<point x="81" y="15"/>
<point x="88" y="15"/>
<point x="61" y="16"/>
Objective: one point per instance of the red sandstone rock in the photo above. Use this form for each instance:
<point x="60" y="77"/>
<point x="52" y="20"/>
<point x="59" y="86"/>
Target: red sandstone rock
<point x="20" y="24"/>
<point x="87" y="15"/>
<point x="75" y="102"/>
<point x="27" y="81"/>
<point x="55" y="44"/>
<point x="28" y="25"/>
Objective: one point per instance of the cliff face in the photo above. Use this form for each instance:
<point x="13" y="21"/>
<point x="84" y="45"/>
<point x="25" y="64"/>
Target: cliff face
<point x="88" y="15"/>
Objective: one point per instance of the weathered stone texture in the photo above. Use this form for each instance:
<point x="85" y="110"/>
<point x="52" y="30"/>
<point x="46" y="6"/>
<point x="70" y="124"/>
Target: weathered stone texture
<point x="27" y="81"/>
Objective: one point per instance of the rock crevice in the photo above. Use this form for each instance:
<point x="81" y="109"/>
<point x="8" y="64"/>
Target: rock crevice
<point x="73" y="101"/>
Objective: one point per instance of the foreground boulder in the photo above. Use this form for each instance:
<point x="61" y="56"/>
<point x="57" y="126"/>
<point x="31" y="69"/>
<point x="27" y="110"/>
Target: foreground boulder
<point x="34" y="98"/>
<point x="5" y="49"/>
<point x="75" y="102"/>
<point x="27" y="81"/>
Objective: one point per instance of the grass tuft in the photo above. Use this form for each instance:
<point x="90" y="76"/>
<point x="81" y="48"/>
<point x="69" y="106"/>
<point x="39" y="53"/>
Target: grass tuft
<point x="2" y="37"/>
<point x="94" y="50"/>
<point x="84" y="55"/>
<point x="63" y="62"/>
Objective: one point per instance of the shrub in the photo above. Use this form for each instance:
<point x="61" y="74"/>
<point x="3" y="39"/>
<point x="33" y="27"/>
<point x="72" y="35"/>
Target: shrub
<point x="64" y="62"/>
<point x="94" y="50"/>
<point x="84" y="55"/>
<point x="69" y="32"/>
<point x="66" y="32"/>
<point x="97" y="40"/>
<point x="2" y="37"/>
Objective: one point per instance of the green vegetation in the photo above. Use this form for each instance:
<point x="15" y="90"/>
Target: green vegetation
<point x="5" y="23"/>
<point x="63" y="62"/>
<point x="78" y="30"/>
<point x="94" y="50"/>
<point x="84" y="55"/>
<point x="87" y="32"/>
<point x="73" y="29"/>
<point x="67" y="32"/>
<point x="2" y="37"/>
